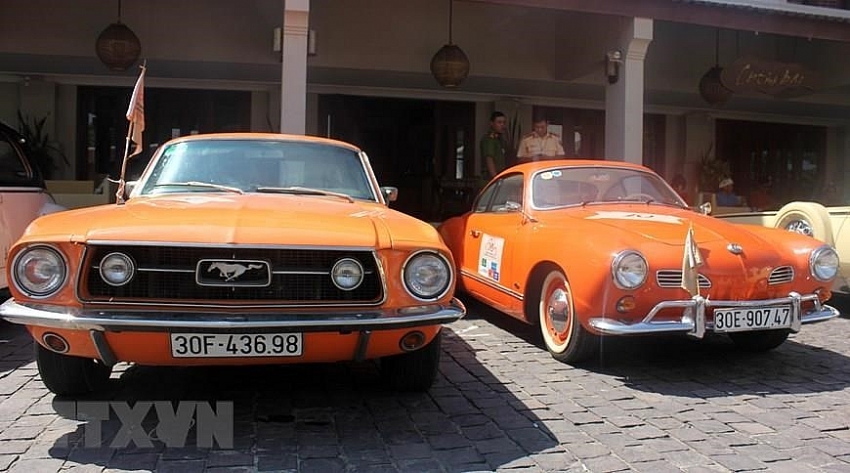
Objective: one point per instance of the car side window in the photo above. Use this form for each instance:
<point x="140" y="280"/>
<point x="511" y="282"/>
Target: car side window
<point x="13" y="171"/>
<point x="484" y="198"/>
<point x="508" y="189"/>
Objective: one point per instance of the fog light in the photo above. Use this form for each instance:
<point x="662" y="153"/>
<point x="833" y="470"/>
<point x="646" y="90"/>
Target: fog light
<point x="626" y="304"/>
<point x="55" y="342"/>
<point x="412" y="341"/>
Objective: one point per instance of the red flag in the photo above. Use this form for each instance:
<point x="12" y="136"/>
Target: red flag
<point x="136" y="113"/>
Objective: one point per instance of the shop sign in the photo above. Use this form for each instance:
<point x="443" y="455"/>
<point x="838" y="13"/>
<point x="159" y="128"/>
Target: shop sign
<point x="749" y="74"/>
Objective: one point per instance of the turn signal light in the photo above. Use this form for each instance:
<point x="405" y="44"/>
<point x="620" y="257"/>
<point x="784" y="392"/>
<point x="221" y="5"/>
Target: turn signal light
<point x="626" y="304"/>
<point x="412" y="341"/>
<point x="55" y="342"/>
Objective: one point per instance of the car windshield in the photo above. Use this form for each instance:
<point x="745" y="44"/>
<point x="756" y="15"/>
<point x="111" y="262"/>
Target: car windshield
<point x="268" y="166"/>
<point x="565" y="186"/>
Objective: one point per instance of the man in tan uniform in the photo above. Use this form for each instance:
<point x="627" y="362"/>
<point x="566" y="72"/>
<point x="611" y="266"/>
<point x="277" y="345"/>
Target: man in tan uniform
<point x="539" y="144"/>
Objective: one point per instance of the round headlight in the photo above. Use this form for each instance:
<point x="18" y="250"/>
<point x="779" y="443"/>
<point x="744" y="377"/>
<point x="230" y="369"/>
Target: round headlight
<point x="117" y="269"/>
<point x="40" y="271"/>
<point x="347" y="274"/>
<point x="824" y="263"/>
<point x="426" y="275"/>
<point x="629" y="269"/>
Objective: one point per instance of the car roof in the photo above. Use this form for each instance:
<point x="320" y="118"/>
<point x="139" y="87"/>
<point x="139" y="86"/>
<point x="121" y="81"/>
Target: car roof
<point x="248" y="136"/>
<point x="534" y="166"/>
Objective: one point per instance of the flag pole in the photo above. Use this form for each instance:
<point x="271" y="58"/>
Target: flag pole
<point x="136" y="119"/>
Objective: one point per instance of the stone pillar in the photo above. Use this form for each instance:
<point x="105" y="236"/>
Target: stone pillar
<point x="624" y="98"/>
<point x="293" y="83"/>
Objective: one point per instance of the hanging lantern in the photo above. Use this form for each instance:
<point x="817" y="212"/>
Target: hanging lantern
<point x="117" y="46"/>
<point x="711" y="89"/>
<point x="450" y="66"/>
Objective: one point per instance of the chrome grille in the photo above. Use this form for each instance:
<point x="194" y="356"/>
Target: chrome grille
<point x="781" y="275"/>
<point x="168" y="275"/>
<point x="673" y="278"/>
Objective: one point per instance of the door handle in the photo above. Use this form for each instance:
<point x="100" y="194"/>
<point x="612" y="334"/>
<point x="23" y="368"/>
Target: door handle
<point x="475" y="233"/>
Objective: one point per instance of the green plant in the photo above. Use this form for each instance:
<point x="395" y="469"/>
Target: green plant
<point x="43" y="151"/>
<point x="712" y="170"/>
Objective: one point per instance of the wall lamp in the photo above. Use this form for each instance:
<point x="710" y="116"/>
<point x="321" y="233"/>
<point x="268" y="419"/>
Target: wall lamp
<point x="613" y="59"/>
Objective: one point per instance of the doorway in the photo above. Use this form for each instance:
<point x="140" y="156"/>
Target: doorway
<point x="411" y="144"/>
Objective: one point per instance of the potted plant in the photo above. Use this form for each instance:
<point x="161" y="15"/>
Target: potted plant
<point x="43" y="151"/>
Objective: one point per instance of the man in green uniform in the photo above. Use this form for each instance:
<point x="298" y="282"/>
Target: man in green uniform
<point x="493" y="145"/>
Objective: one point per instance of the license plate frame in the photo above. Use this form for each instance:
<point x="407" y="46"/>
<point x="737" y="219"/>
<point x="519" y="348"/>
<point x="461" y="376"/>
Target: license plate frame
<point x="748" y="319"/>
<point x="236" y="345"/>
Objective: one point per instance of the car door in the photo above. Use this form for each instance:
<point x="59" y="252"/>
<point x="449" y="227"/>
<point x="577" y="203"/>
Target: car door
<point x="489" y="243"/>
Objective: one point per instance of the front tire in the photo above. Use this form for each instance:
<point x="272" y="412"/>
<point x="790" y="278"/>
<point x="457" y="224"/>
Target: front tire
<point x="759" y="341"/>
<point x="565" y="338"/>
<point x="414" y="371"/>
<point x="68" y="375"/>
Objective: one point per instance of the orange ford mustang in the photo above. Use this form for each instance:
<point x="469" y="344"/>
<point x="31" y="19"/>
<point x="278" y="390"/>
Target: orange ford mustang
<point x="236" y="249"/>
<point x="590" y="248"/>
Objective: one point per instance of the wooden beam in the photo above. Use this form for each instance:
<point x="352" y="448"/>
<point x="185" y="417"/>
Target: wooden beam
<point x="727" y="17"/>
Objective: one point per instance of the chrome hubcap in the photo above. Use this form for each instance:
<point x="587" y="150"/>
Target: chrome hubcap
<point x="558" y="310"/>
<point x="800" y="226"/>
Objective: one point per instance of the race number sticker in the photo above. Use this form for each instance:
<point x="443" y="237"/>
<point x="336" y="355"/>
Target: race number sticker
<point x="490" y="257"/>
<point x="612" y="215"/>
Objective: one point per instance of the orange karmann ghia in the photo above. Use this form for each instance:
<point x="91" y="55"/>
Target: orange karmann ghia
<point x="236" y="249"/>
<point x="590" y="248"/>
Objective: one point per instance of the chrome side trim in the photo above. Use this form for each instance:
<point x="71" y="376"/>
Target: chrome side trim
<point x="487" y="282"/>
<point x="184" y="244"/>
<point x="327" y="321"/>
<point x="693" y="320"/>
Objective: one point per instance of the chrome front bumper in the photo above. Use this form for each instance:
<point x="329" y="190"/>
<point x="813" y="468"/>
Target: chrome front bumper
<point x="693" y="321"/>
<point x="150" y="321"/>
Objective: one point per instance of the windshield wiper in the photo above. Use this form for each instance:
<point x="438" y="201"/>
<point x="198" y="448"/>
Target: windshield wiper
<point x="205" y="185"/>
<point x="302" y="191"/>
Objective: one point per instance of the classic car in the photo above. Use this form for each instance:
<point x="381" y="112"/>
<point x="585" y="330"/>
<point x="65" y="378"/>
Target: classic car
<point x="23" y="197"/>
<point x="586" y="249"/>
<point x="828" y="224"/>
<point x="236" y="249"/>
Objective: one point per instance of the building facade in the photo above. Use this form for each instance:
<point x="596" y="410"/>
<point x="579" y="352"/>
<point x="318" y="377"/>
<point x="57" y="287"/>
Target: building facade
<point x="758" y="86"/>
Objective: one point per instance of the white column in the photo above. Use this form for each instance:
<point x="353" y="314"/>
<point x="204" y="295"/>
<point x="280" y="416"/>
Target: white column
<point x="624" y="98"/>
<point x="293" y="83"/>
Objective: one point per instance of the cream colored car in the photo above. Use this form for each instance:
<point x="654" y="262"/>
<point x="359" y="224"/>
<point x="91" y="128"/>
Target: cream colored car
<point x="828" y="224"/>
<point x="22" y="195"/>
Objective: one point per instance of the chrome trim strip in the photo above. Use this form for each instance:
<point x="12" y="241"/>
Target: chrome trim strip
<point x="693" y="317"/>
<point x="224" y="246"/>
<point x="162" y="270"/>
<point x="345" y="320"/>
<point x="520" y="296"/>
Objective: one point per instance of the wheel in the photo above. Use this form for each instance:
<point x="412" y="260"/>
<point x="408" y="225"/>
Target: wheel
<point x="759" y="341"/>
<point x="807" y="218"/>
<point x="565" y="338"/>
<point x="70" y="375"/>
<point x="414" y="371"/>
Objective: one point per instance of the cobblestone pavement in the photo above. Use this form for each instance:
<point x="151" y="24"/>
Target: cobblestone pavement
<point x="501" y="404"/>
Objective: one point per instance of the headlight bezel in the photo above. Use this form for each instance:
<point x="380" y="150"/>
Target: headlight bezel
<point x="445" y="287"/>
<point x="619" y="258"/>
<point x="131" y="264"/>
<point x="17" y="273"/>
<point x="341" y="261"/>
<point x="819" y="252"/>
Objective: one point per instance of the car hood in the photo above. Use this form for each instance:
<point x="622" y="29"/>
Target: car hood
<point x="246" y="219"/>
<point x="665" y="225"/>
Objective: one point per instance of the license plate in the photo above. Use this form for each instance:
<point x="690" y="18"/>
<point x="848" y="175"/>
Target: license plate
<point x="759" y="318"/>
<point x="221" y="345"/>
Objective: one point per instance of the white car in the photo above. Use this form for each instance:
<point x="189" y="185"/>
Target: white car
<point x="828" y="224"/>
<point x="22" y="195"/>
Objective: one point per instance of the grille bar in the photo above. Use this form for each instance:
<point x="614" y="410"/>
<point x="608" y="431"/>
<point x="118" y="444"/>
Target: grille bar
<point x="299" y="276"/>
<point x="673" y="278"/>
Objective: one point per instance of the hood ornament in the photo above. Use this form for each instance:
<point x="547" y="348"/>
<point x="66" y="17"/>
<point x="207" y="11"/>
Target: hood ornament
<point x="734" y="248"/>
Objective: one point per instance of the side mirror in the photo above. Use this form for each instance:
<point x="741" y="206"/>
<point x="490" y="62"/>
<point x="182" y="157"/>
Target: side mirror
<point x="705" y="208"/>
<point x="512" y="206"/>
<point x="390" y="193"/>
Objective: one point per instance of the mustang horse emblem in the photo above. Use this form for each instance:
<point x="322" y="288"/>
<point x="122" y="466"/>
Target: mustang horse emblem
<point x="232" y="271"/>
